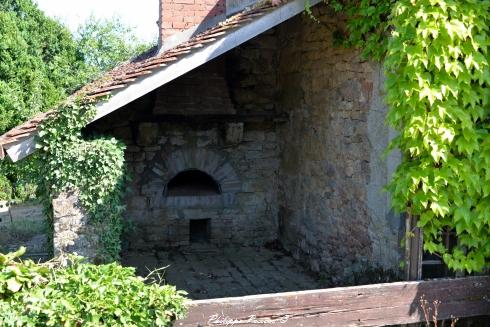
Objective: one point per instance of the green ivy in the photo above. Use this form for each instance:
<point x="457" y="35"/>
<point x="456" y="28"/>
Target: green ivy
<point x="367" y="26"/>
<point x="94" y="168"/>
<point x="437" y="81"/>
<point x="81" y="294"/>
<point x="435" y="56"/>
<point x="15" y="276"/>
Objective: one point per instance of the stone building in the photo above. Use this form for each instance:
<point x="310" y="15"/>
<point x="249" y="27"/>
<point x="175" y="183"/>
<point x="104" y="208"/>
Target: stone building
<point x="247" y="126"/>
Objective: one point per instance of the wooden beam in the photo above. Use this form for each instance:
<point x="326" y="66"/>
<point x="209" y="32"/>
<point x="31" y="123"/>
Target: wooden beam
<point x="370" y="305"/>
<point x="234" y="118"/>
<point x="414" y="247"/>
<point x="21" y="149"/>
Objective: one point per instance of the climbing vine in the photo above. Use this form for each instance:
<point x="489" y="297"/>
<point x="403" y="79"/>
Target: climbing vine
<point x="94" y="168"/>
<point x="367" y="27"/>
<point x="435" y="56"/>
<point x="437" y="82"/>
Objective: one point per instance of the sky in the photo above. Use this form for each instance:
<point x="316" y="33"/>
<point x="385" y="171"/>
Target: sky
<point x="140" y="14"/>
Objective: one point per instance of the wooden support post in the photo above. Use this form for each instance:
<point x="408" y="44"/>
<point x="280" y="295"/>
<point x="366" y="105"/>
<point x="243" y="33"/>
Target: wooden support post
<point x="280" y="117"/>
<point x="414" y="248"/>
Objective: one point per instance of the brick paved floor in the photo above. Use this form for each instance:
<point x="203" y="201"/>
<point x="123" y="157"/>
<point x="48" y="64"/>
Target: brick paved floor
<point x="207" y="271"/>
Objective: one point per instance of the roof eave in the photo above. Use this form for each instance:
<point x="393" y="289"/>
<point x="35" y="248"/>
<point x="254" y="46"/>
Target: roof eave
<point x="168" y="73"/>
<point x="20" y="150"/>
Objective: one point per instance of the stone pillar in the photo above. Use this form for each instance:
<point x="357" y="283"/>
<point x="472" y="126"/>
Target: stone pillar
<point x="72" y="233"/>
<point x="386" y="226"/>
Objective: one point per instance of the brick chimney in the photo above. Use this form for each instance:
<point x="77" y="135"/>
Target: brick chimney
<point x="179" y="15"/>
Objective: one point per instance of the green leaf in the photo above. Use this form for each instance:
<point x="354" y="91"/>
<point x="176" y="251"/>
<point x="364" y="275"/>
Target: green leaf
<point x="13" y="285"/>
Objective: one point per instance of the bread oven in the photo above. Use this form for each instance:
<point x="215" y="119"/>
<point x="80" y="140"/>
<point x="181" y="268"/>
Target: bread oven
<point x="202" y="171"/>
<point x="192" y="195"/>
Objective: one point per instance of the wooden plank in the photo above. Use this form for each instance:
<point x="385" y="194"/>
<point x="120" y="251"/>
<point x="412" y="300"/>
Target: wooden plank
<point x="206" y="118"/>
<point x="369" y="305"/>
<point x="414" y="249"/>
<point x="22" y="149"/>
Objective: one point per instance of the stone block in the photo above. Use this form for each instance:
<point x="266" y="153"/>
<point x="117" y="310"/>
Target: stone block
<point x="139" y="167"/>
<point x="253" y="135"/>
<point x="123" y="133"/>
<point x="138" y="157"/>
<point x="162" y="140"/>
<point x="153" y="188"/>
<point x="234" y="133"/>
<point x="147" y="133"/>
<point x="133" y="148"/>
<point x="178" y="140"/>
<point x="72" y="231"/>
<point x="138" y="202"/>
<point x="150" y="156"/>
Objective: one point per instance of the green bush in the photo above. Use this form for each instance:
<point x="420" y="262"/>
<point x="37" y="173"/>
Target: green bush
<point x="5" y="188"/>
<point x="82" y="294"/>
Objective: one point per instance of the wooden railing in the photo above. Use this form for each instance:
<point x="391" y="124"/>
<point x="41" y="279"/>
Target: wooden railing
<point x="370" y="305"/>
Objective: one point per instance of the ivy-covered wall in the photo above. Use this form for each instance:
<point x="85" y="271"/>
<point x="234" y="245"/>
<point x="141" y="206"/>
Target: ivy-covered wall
<point x="317" y="180"/>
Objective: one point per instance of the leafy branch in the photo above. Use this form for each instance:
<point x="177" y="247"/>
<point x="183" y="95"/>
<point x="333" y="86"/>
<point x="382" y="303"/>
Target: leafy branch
<point x="436" y="61"/>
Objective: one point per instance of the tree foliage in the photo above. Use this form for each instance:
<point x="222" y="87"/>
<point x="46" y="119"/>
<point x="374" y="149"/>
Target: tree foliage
<point x="41" y="62"/>
<point x="367" y="26"/>
<point x="436" y="61"/>
<point x="104" y="43"/>
<point x="39" y="65"/>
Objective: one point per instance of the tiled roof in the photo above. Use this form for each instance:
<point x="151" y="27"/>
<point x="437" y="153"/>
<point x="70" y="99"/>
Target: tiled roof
<point x="146" y="64"/>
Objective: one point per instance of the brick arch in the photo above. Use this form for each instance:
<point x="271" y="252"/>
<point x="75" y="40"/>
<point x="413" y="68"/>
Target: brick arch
<point x="206" y="161"/>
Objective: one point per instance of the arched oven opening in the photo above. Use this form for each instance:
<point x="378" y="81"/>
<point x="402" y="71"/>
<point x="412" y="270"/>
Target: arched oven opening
<point x="192" y="182"/>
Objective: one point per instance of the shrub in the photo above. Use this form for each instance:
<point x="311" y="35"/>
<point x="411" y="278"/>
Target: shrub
<point x="82" y="294"/>
<point x="5" y="188"/>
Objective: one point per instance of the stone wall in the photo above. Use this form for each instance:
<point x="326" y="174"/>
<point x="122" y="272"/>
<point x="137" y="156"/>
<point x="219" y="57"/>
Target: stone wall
<point x="72" y="232"/>
<point x="252" y="74"/>
<point x="201" y="91"/>
<point x="245" y="211"/>
<point x="314" y="182"/>
<point x="243" y="157"/>
<point x="333" y="213"/>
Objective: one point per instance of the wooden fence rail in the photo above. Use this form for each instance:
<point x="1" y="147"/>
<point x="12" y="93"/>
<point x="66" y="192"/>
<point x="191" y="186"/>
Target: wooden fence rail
<point x="370" y="305"/>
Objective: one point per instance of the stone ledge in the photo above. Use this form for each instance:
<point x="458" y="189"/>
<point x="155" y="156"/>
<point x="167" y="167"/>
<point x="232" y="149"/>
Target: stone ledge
<point x="207" y="201"/>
